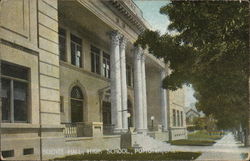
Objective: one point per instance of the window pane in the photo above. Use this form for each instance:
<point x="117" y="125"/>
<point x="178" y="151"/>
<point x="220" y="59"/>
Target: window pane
<point x="5" y="95"/>
<point x="79" y="56"/>
<point x="20" y="101"/>
<point x="76" y="39"/>
<point x="14" y="71"/>
<point x="106" y="64"/>
<point x="62" y="48"/>
<point x="76" y="50"/>
<point x="108" y="68"/>
<point x="62" y="44"/>
<point x="92" y="62"/>
<point x="95" y="50"/>
<point x="73" y="53"/>
<point x="98" y="64"/>
<point x="76" y="92"/>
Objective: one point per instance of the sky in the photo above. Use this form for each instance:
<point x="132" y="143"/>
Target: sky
<point x="150" y="9"/>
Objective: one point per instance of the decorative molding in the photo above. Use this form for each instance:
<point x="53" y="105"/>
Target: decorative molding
<point x="67" y="65"/>
<point x="123" y="42"/>
<point x="19" y="47"/>
<point x="115" y="37"/>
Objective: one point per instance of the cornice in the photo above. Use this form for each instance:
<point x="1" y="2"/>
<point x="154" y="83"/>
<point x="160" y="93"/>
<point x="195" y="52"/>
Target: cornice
<point x="105" y="18"/>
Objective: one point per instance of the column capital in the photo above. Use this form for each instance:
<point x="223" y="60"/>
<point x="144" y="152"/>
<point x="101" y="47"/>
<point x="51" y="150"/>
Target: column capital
<point x="123" y="42"/>
<point x="143" y="56"/>
<point x="115" y="37"/>
<point x="137" y="50"/>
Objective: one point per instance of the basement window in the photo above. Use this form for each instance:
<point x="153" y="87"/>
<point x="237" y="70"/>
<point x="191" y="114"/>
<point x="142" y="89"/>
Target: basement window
<point x="28" y="151"/>
<point x="8" y="153"/>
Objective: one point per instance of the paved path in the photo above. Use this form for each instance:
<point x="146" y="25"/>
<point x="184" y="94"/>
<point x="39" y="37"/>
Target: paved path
<point x="225" y="149"/>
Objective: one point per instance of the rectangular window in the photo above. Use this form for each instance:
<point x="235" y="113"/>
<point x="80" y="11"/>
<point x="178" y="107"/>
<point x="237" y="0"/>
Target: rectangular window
<point x="178" y="118"/>
<point x="95" y="60"/>
<point x="8" y="153"/>
<point x="174" y="117"/>
<point x="14" y="93"/>
<point x="182" y="118"/>
<point x="28" y="151"/>
<point x="62" y="44"/>
<point x="106" y="65"/>
<point x="76" y="51"/>
<point x="129" y="75"/>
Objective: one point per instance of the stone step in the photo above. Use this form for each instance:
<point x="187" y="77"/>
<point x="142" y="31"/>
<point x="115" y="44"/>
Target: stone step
<point x="148" y="143"/>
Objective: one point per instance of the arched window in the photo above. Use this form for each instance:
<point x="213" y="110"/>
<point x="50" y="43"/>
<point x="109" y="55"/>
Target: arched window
<point x="76" y="104"/>
<point x="76" y="93"/>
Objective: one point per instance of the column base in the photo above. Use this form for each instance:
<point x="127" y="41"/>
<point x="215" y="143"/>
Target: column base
<point x="125" y="130"/>
<point x="118" y="131"/>
<point x="141" y="131"/>
<point x="164" y="130"/>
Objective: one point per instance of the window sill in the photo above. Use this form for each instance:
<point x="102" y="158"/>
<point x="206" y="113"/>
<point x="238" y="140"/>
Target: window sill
<point x="19" y="125"/>
<point x="66" y="64"/>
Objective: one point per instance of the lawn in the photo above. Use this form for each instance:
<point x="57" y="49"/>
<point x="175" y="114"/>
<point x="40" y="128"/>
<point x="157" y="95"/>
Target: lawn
<point x="204" y="135"/>
<point x="200" y="138"/>
<point x="134" y="156"/>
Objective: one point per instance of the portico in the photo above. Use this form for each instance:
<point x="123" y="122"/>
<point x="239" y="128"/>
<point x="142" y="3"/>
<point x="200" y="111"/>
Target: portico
<point x="119" y="85"/>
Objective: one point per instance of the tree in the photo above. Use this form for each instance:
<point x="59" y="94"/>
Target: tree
<point x="209" y="51"/>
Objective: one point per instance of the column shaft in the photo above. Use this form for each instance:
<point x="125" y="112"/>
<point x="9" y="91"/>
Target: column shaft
<point x="144" y="94"/>
<point x="115" y="83"/>
<point x="123" y="84"/>
<point x="164" y="111"/>
<point x="138" y="90"/>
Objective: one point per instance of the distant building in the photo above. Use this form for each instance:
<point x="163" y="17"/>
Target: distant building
<point x="191" y="114"/>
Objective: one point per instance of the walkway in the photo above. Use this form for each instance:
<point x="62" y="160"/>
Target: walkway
<point x="225" y="149"/>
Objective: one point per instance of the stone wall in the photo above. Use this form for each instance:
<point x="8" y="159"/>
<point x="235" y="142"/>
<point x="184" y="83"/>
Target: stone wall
<point x="18" y="46"/>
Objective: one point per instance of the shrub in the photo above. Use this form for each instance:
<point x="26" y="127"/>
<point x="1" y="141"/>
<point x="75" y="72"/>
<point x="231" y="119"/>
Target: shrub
<point x="134" y="156"/>
<point x="193" y="142"/>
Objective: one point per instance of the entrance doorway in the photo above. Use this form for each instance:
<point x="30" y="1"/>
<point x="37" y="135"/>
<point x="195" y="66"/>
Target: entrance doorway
<point x="76" y="104"/>
<point x="106" y="113"/>
<point x="130" y="111"/>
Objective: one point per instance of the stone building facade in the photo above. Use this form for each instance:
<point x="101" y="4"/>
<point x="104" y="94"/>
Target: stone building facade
<point x="72" y="80"/>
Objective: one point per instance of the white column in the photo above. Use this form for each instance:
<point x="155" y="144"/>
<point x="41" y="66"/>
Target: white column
<point x="115" y="82"/>
<point x="144" y="94"/>
<point x="138" y="90"/>
<point x="164" y="112"/>
<point x="124" y="93"/>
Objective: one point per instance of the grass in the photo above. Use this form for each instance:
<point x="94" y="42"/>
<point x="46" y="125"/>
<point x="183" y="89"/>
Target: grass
<point x="104" y="155"/>
<point x="204" y="135"/>
<point x="200" y="138"/>
<point x="193" y="142"/>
